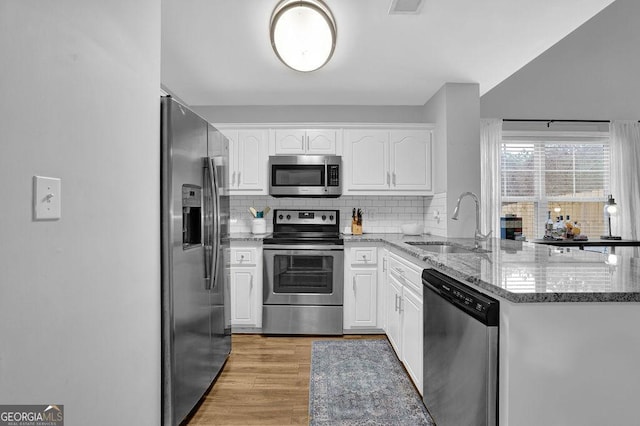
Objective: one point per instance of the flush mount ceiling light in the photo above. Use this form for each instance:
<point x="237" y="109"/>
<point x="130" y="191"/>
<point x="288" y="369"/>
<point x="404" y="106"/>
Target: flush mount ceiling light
<point x="303" y="34"/>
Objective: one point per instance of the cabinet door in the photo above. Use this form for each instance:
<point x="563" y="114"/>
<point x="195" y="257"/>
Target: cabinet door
<point x="383" y="283"/>
<point x="251" y="160"/>
<point x="393" y="298"/>
<point x="290" y="141"/>
<point x="321" y="142"/>
<point x="363" y="285"/>
<point x="410" y="160"/>
<point x="367" y="156"/>
<point x="412" y="338"/>
<point x="232" y="169"/>
<point x="243" y="296"/>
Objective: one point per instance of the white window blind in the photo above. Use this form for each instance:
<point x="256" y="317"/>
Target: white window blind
<point x="566" y="173"/>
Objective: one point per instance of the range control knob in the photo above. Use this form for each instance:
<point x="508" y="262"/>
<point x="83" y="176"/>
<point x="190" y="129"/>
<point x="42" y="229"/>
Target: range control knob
<point x="331" y="217"/>
<point x="288" y="216"/>
<point x="280" y="217"/>
<point x="324" y="217"/>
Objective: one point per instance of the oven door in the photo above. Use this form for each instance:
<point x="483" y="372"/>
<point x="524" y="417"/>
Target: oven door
<point x="303" y="275"/>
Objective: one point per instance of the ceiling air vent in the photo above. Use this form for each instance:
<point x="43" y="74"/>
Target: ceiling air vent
<point x="405" y="7"/>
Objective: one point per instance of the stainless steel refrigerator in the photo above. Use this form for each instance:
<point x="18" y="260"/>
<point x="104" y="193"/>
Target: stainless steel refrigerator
<point x="196" y="324"/>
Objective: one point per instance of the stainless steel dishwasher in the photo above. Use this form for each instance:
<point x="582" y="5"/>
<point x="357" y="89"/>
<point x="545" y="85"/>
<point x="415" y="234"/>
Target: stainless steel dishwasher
<point x="460" y="352"/>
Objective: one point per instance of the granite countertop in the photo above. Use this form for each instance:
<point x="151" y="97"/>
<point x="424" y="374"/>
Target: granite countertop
<point x="524" y="272"/>
<point x="594" y="242"/>
<point x="248" y="236"/>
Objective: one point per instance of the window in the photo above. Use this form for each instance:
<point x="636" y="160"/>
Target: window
<point x="555" y="174"/>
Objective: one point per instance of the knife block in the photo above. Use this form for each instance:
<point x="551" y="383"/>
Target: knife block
<point x="356" y="228"/>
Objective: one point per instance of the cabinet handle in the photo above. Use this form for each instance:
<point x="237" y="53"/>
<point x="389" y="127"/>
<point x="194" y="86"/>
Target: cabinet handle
<point x="354" y="285"/>
<point x="251" y="283"/>
<point x="393" y="175"/>
<point x="384" y="264"/>
<point x="364" y="258"/>
<point x="238" y="179"/>
<point x="388" y="178"/>
<point x="233" y="179"/>
<point x="400" y="310"/>
<point x="396" y="304"/>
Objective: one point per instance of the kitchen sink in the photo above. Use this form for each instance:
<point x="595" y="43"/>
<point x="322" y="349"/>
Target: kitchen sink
<point x="445" y="248"/>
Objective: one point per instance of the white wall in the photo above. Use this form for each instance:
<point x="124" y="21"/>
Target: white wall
<point x="455" y="110"/>
<point x="591" y="74"/>
<point x="80" y="297"/>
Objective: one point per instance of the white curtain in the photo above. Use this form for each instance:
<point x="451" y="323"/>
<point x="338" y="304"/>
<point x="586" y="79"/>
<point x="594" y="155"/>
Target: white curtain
<point x="490" y="200"/>
<point x="625" y="176"/>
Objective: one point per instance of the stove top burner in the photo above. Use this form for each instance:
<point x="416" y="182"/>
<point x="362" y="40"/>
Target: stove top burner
<point x="305" y="227"/>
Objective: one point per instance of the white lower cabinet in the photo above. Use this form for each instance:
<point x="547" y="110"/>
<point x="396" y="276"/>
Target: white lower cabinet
<point x="361" y="288"/>
<point x="364" y="282"/>
<point x="404" y="315"/>
<point x="245" y="286"/>
<point x="412" y="325"/>
<point x="394" y="320"/>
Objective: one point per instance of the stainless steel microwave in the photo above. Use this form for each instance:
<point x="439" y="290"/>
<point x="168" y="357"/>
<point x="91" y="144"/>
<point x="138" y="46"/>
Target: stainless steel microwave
<point x="305" y="176"/>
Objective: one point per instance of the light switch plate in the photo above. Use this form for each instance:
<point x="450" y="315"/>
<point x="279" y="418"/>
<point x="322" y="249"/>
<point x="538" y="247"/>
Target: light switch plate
<point x="46" y="198"/>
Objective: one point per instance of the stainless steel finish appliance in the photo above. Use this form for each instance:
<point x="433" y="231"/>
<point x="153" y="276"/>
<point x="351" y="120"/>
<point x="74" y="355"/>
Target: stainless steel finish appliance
<point x="305" y="176"/>
<point x="460" y="352"/>
<point x="303" y="273"/>
<point x="196" y="324"/>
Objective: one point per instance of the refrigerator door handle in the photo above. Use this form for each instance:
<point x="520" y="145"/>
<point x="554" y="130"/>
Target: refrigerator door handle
<point x="206" y="226"/>
<point x="216" y="218"/>
<point x="210" y="240"/>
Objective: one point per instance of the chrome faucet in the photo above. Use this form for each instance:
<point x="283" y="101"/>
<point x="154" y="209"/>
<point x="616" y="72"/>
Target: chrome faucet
<point x="478" y="236"/>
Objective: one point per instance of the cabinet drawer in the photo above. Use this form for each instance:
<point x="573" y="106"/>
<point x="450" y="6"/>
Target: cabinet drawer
<point x="406" y="272"/>
<point x="243" y="256"/>
<point x="364" y="255"/>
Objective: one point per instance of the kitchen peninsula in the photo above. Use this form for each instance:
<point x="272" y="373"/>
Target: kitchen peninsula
<point x="568" y="339"/>
<point x="569" y="344"/>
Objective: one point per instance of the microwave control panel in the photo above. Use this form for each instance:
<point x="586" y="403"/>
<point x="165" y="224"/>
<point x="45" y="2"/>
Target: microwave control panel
<point x="333" y="171"/>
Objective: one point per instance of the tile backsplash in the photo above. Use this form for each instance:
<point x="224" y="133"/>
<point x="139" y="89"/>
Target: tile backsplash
<point x="381" y="214"/>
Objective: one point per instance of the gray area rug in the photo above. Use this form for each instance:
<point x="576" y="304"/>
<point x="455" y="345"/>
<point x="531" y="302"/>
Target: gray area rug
<point x="361" y="382"/>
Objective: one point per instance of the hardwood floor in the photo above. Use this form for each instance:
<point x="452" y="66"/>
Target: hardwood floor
<point x="265" y="382"/>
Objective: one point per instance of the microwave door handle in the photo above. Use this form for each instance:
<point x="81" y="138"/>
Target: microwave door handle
<point x="326" y="176"/>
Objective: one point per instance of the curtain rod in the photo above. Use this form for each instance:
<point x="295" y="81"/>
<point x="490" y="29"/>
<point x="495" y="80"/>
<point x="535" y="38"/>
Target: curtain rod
<point x="557" y="121"/>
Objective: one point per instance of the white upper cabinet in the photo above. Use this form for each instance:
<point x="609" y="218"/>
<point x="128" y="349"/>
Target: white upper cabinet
<point x="410" y="160"/>
<point x="301" y="141"/>
<point x="247" y="161"/>
<point x="366" y="161"/>
<point x="388" y="161"/>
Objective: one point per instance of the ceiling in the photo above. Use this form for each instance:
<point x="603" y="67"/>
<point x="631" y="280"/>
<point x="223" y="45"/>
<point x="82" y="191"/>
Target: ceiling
<point x="217" y="52"/>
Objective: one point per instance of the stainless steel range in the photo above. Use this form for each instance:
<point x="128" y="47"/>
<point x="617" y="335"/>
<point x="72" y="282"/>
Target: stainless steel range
<point x="303" y="273"/>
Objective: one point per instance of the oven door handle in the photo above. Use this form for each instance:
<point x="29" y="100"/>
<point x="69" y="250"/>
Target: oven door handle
<point x="303" y="248"/>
